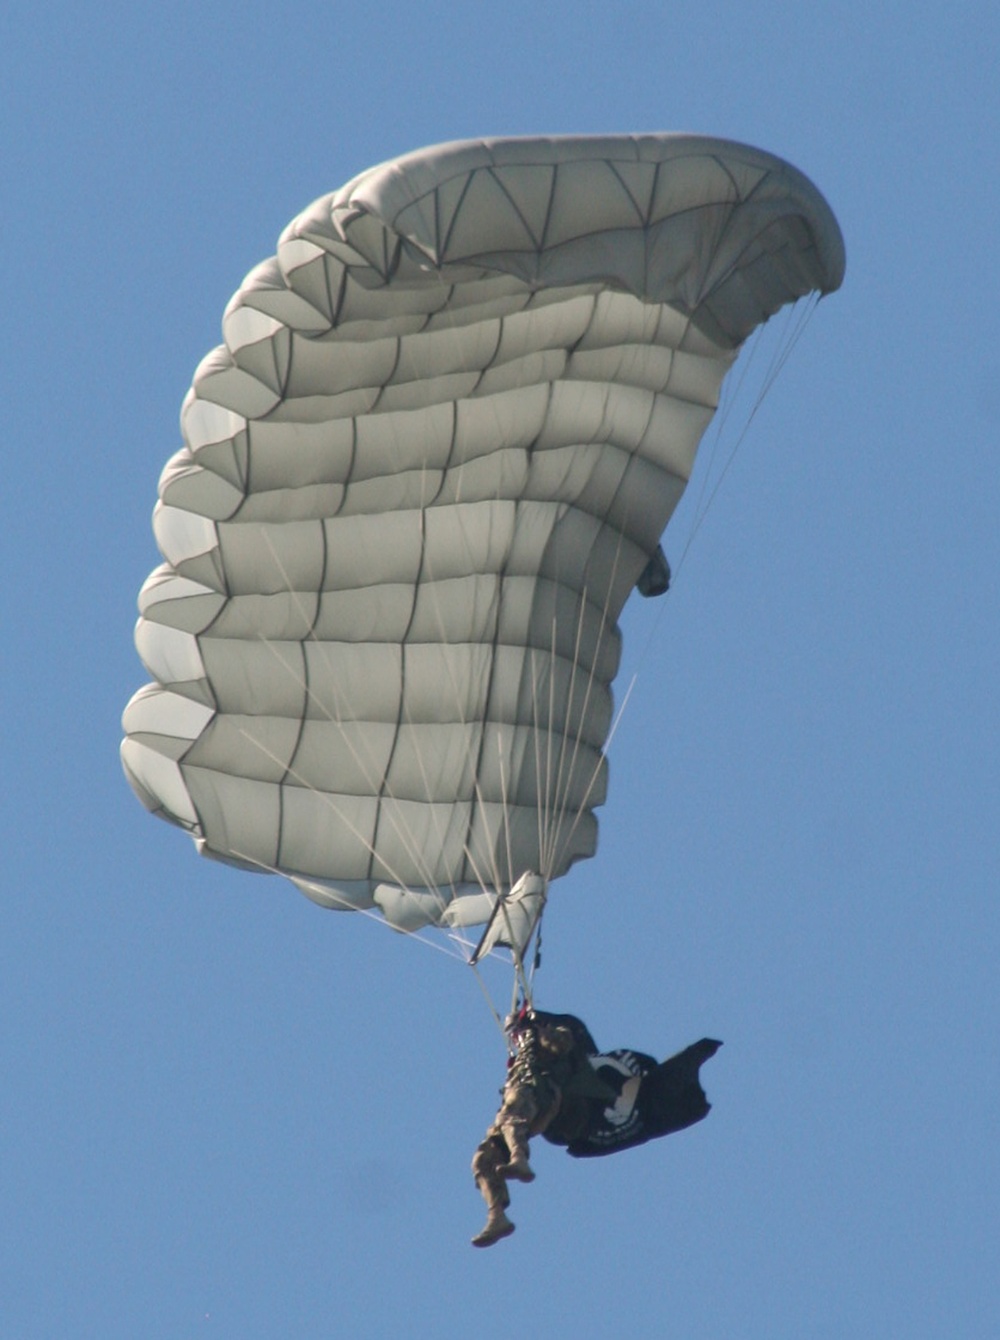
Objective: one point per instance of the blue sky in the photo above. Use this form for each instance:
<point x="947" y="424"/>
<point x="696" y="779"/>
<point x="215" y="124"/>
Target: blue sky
<point x="226" y="1113"/>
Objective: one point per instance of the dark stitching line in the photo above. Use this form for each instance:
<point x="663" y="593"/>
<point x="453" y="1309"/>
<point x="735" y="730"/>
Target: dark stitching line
<point x="382" y="793"/>
<point x="492" y="171"/>
<point x="290" y="767"/>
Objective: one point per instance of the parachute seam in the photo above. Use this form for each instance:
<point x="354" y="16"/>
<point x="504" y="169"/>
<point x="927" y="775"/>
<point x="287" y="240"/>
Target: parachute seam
<point x="640" y="213"/>
<point x="447" y="325"/>
<point x="307" y="695"/>
<point x="427" y="797"/>
<point x="492" y="171"/>
<point x="688" y="400"/>
<point x="336" y="301"/>
<point x="351" y="466"/>
<point x="495" y="643"/>
<point x="437" y="228"/>
<point x="740" y="198"/>
<point x="477" y="801"/>
<point x="446" y="240"/>
<point x="548" y="209"/>
<point x="303" y="659"/>
<point x="493" y="718"/>
<point x="647" y="221"/>
<point x="389" y="380"/>
<point x="488" y="718"/>
<point x="384" y="790"/>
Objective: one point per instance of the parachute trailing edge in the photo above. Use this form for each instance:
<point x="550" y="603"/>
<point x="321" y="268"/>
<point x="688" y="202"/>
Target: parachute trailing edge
<point x="420" y="478"/>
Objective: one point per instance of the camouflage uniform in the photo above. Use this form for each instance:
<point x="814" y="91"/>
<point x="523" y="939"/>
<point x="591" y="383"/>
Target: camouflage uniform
<point x="531" y="1098"/>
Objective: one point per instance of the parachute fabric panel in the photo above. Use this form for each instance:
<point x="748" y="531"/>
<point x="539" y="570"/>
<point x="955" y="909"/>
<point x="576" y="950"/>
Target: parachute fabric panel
<point x="514" y="918"/>
<point x="448" y="425"/>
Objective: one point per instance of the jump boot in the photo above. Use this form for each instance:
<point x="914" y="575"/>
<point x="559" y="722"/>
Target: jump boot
<point x="517" y="1167"/>
<point x="497" y="1226"/>
<point x="516" y="1131"/>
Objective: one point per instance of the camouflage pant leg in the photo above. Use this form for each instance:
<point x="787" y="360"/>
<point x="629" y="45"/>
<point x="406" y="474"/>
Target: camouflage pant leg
<point x="527" y="1110"/>
<point x="491" y="1154"/>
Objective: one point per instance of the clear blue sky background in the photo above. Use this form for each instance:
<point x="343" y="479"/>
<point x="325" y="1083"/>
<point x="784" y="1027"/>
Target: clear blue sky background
<point x="225" y="1113"/>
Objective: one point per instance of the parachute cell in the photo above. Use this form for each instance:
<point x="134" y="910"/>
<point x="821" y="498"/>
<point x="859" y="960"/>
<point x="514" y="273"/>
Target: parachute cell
<point x="438" y="449"/>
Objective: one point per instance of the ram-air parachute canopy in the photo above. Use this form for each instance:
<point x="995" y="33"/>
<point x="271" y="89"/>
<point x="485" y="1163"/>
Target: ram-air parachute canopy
<point x="435" y="454"/>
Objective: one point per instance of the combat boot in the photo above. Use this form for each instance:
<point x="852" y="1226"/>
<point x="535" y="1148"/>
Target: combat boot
<point x="518" y="1169"/>
<point x="497" y="1226"/>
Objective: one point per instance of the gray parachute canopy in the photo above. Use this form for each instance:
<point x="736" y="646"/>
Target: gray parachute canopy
<point x="439" y="446"/>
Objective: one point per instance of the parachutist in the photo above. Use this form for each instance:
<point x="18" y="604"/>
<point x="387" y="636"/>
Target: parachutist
<point x="559" y="1086"/>
<point x="540" y="1064"/>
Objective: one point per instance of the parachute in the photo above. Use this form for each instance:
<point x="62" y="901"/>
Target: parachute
<point x="437" y="451"/>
